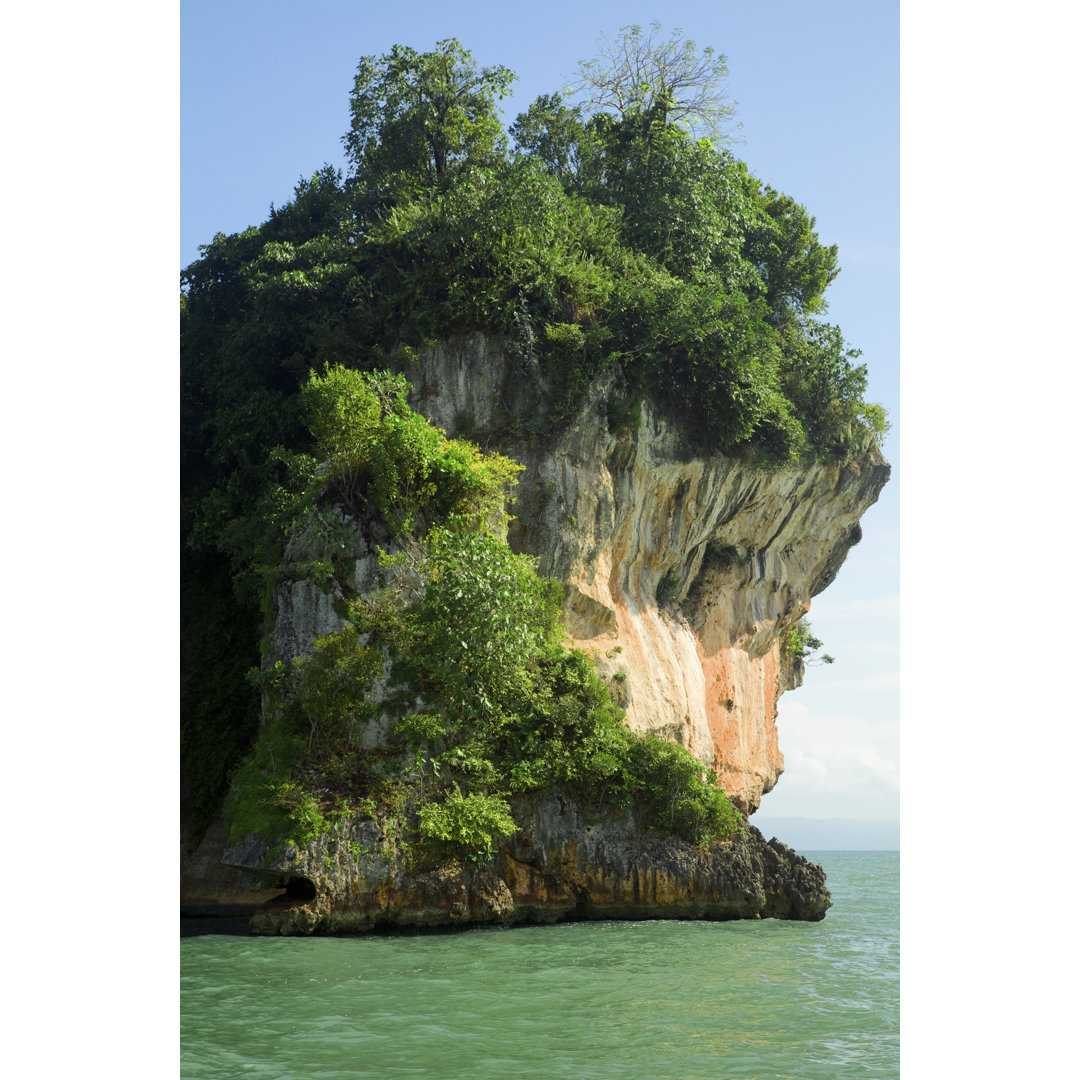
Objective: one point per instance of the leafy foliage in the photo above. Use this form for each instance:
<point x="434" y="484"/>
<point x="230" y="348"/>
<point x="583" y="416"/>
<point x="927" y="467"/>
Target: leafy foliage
<point x="482" y="605"/>
<point x="657" y="83"/>
<point x="331" y="687"/>
<point x="416" y="116"/>
<point x="611" y="239"/>
<point x="555" y="136"/>
<point x="679" y="795"/>
<point x="472" y="824"/>
<point x="801" y="644"/>
<point x="487" y="705"/>
<point x="469" y="253"/>
<point x="795" y="267"/>
<point x="684" y="204"/>
<point x="819" y="376"/>
<point x="380" y="452"/>
<point x="265" y="799"/>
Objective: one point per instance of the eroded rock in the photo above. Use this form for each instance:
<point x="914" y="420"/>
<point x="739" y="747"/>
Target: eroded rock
<point x="558" y="867"/>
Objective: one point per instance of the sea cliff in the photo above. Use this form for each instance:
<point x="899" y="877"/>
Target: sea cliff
<point x="684" y="572"/>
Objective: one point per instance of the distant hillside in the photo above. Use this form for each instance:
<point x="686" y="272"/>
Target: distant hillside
<point x="831" y="834"/>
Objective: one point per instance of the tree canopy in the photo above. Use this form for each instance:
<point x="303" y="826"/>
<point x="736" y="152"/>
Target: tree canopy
<point x="419" y="115"/>
<point x="658" y="82"/>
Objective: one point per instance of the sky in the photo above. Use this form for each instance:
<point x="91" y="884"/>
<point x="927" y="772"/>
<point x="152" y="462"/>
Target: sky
<point x="264" y="101"/>
<point x="102" y="162"/>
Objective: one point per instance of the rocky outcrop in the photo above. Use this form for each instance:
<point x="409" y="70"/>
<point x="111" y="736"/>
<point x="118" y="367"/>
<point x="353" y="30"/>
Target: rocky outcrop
<point x="683" y="575"/>
<point x="558" y="867"/>
<point x="683" y="572"/>
<point x="210" y="887"/>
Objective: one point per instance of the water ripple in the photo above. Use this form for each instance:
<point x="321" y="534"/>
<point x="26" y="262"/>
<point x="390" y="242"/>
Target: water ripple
<point x="582" y="1001"/>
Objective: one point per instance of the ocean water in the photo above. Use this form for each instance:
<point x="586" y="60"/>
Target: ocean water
<point x="603" y="1000"/>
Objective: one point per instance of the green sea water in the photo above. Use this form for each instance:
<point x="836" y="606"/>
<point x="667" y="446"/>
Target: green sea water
<point x="603" y="1000"/>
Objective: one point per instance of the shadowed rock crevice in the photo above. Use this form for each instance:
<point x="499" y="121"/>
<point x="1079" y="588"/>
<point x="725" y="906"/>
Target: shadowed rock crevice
<point x="298" y="889"/>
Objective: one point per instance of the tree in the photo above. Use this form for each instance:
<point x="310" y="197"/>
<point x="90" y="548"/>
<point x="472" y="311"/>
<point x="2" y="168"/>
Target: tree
<point x="658" y="83"/>
<point x="422" y="114"/>
<point x="795" y="266"/>
<point x="683" y="201"/>
<point x="552" y="134"/>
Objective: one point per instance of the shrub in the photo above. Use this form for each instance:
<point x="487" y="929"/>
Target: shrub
<point x="800" y="643"/>
<point x="677" y="793"/>
<point x="265" y="799"/>
<point x="331" y="686"/>
<point x="469" y="824"/>
<point x="381" y="453"/>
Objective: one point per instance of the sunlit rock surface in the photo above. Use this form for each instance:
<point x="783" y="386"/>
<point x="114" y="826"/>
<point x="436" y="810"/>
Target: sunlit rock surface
<point x="627" y="516"/>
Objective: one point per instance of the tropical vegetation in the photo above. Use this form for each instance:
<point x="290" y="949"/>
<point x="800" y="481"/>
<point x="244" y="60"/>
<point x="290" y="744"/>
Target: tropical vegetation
<point x="614" y="232"/>
<point x="480" y="701"/>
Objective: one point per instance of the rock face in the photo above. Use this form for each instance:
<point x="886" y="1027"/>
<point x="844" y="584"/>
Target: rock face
<point x="209" y="886"/>
<point x="558" y="867"/>
<point x="683" y="575"/>
<point x="683" y="572"/>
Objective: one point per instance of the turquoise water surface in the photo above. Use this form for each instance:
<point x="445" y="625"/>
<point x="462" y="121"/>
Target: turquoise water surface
<point x="605" y="1000"/>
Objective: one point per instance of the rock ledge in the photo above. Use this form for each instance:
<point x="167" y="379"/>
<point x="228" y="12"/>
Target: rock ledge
<point x="559" y="867"/>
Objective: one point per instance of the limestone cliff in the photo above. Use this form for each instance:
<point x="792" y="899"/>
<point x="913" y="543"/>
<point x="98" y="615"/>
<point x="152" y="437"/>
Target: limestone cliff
<point x="683" y="572"/>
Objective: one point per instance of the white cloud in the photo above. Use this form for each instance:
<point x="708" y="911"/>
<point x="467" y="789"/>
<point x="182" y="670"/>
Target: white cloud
<point x="880" y="768"/>
<point x="807" y="763"/>
<point x="836" y="765"/>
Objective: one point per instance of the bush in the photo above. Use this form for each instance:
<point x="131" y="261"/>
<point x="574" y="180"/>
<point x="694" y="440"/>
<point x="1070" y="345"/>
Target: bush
<point x="483" y="619"/>
<point x="468" y="824"/>
<point x="467" y="253"/>
<point x="677" y="793"/>
<point x="381" y="453"/>
<point x="825" y="385"/>
<point x="800" y="643"/>
<point x="265" y="799"/>
<point x="331" y="687"/>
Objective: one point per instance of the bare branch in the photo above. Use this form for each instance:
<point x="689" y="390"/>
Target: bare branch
<point x="665" y="81"/>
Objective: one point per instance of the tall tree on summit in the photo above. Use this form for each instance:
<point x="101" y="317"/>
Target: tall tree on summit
<point x="417" y="116"/>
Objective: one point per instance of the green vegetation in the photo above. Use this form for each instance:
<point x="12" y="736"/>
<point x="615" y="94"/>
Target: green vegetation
<point x="471" y="824"/>
<point x="265" y="799"/>
<point x="484" y="702"/>
<point x="596" y="236"/>
<point x="382" y="456"/>
<point x="801" y="644"/>
<point x="659" y="82"/>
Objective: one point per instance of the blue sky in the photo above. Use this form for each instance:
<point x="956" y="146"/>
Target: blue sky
<point x="264" y="101"/>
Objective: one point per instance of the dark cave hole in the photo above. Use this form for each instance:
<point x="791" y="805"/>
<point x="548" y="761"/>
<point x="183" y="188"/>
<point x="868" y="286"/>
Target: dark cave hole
<point x="299" y="888"/>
